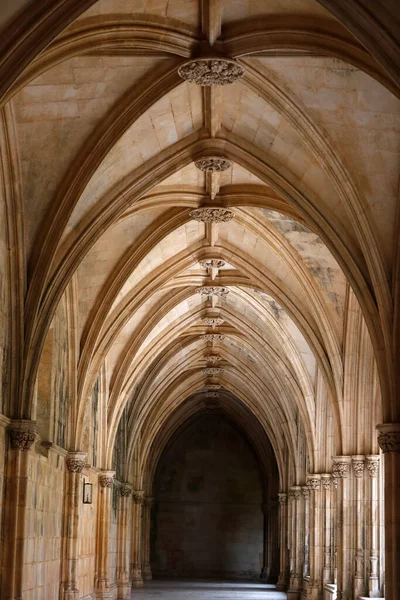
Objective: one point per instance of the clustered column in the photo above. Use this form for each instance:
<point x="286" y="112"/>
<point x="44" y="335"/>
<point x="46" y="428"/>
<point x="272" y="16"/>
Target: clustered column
<point x="136" y="564"/>
<point x="315" y="583"/>
<point x="75" y="462"/>
<point x="341" y="468"/>
<point x="123" y="541"/>
<point x="22" y="437"/>
<point x="106" y="483"/>
<point x="295" y="542"/>
<point x="372" y="463"/>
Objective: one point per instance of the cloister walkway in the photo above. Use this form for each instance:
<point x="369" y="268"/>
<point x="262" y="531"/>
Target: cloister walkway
<point x="207" y="590"/>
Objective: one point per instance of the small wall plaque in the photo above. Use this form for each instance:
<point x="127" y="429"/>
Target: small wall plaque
<point x="87" y="492"/>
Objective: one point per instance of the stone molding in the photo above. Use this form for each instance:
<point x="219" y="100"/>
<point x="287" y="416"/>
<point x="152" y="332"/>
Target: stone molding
<point x="212" y="386"/>
<point x="212" y="394"/>
<point x="211" y="71"/>
<point x="282" y="498"/>
<point x="76" y="461"/>
<point x="213" y="358"/>
<point x="389" y="437"/>
<point x="212" y="337"/>
<point x="138" y="496"/>
<point x="326" y="479"/>
<point x="314" y="482"/>
<point x="212" y="164"/>
<point x="212" y="370"/>
<point x="341" y="466"/>
<point x="22" y="434"/>
<point x="125" y="489"/>
<point x="212" y="290"/>
<point x="212" y="263"/>
<point x="212" y="321"/>
<point x="358" y="462"/>
<point x="212" y="214"/>
<point x="372" y="464"/>
<point x="106" y="479"/>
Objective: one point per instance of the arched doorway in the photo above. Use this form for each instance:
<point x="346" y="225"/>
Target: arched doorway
<point x="207" y="519"/>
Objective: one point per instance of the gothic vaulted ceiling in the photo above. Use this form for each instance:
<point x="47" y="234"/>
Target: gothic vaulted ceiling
<point x="109" y="137"/>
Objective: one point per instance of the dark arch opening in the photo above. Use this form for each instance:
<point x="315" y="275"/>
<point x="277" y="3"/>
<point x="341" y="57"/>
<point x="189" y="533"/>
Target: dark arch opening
<point x="209" y="500"/>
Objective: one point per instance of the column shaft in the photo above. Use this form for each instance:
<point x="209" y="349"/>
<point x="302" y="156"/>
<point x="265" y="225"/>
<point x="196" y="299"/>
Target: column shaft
<point x="283" y="569"/>
<point x="315" y="584"/>
<point x="146" y="567"/>
<point x="136" y="539"/>
<point x="341" y="466"/>
<point x="102" y="586"/>
<point x="372" y="463"/>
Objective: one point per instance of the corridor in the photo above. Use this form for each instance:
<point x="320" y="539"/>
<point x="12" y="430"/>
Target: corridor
<point x="207" y="590"/>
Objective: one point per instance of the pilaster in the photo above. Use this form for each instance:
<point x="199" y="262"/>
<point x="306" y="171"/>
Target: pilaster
<point x="136" y="539"/>
<point x="75" y="462"/>
<point x="22" y="437"/>
<point x="306" y="497"/>
<point x="360" y="584"/>
<point x="389" y="442"/>
<point x="102" y="584"/>
<point x="146" y="567"/>
<point x="123" y="541"/>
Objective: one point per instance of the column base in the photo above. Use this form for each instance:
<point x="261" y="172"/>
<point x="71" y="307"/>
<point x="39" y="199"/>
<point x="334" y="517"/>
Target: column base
<point x="137" y="582"/>
<point x="146" y="573"/>
<point x="124" y="590"/>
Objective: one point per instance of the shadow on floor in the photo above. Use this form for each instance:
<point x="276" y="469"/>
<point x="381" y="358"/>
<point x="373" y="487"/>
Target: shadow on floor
<point x="185" y="589"/>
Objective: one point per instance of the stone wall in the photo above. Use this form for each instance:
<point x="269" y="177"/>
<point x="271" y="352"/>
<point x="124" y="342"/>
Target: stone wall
<point x="44" y="509"/>
<point x="208" y="518"/>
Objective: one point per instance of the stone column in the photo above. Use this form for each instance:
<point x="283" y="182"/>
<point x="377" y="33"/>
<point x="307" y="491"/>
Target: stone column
<point x="22" y="437"/>
<point x="102" y="585"/>
<point x="372" y="463"/>
<point x="341" y="468"/>
<point x="266" y="566"/>
<point x="306" y="565"/>
<point x="389" y="441"/>
<point x="123" y="541"/>
<point x="358" y="462"/>
<point x="327" y="574"/>
<point x="75" y="462"/>
<point x="136" y="539"/>
<point x="297" y="526"/>
<point x="314" y="590"/>
<point x="283" y="569"/>
<point x="146" y="567"/>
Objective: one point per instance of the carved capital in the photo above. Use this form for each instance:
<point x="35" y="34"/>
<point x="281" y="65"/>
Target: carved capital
<point x="326" y="481"/>
<point x="106" y="479"/>
<point x="314" y="482"/>
<point x="22" y="434"/>
<point x="212" y="214"/>
<point x="138" y="496"/>
<point x="282" y="498"/>
<point x="212" y="263"/>
<point x="358" y="462"/>
<point x="372" y="462"/>
<point x="212" y="337"/>
<point x="212" y="321"/>
<point x="211" y="71"/>
<point x="213" y="164"/>
<point x="76" y="461"/>
<point x="294" y="493"/>
<point x="212" y="290"/>
<point x="148" y="501"/>
<point x="341" y="466"/>
<point x="305" y="492"/>
<point x="389" y="437"/>
<point x="125" y="489"/>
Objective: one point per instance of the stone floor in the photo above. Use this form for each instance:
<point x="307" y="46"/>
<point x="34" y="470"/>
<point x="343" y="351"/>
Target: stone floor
<point x="206" y="590"/>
